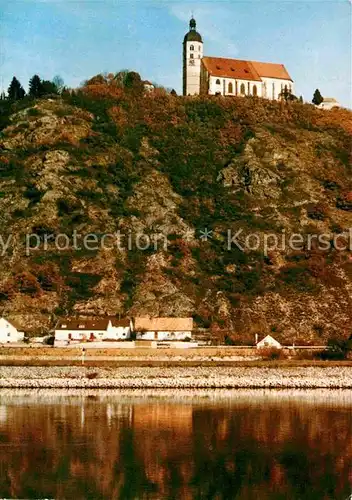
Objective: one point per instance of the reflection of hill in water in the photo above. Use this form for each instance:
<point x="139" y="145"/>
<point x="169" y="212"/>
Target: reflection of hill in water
<point x="108" y="445"/>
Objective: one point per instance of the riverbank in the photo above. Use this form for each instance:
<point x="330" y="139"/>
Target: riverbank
<point x="217" y="377"/>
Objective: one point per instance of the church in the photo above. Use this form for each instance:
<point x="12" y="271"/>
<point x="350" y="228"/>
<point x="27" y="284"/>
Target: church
<point x="229" y="77"/>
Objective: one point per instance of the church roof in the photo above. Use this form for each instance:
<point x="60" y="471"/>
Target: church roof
<point x="230" y="68"/>
<point x="271" y="70"/>
<point x="193" y="36"/>
<point x="244" y="70"/>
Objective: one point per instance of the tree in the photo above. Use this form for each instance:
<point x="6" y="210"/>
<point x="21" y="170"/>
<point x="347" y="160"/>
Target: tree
<point x="287" y="95"/>
<point x="173" y="92"/>
<point x="133" y="82"/>
<point x="35" y="86"/>
<point x="120" y="77"/>
<point x="317" y="98"/>
<point x="48" y="87"/>
<point x="59" y="83"/>
<point x="15" y="91"/>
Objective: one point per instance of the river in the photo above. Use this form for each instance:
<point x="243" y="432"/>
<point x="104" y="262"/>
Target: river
<point x="215" y="444"/>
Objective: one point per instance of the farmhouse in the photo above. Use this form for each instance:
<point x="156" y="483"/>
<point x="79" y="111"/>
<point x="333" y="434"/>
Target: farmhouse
<point x="147" y="328"/>
<point x="92" y="329"/>
<point x="10" y="332"/>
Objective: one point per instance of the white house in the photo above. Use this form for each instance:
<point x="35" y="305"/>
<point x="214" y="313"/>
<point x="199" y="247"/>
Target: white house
<point x="10" y="332"/>
<point x="269" y="341"/>
<point x="329" y="103"/>
<point x="147" y="328"/>
<point x="148" y="86"/>
<point x="229" y="77"/>
<point x="92" y="329"/>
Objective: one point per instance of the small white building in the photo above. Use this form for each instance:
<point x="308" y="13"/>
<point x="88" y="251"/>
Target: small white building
<point x="10" y="332"/>
<point x="148" y="86"/>
<point x="147" y="328"/>
<point x="92" y="329"/>
<point x="268" y="341"/>
<point x="329" y="103"/>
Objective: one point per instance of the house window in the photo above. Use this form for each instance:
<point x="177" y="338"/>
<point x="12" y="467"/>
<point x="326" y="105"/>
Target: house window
<point x="9" y="334"/>
<point x="218" y="82"/>
<point x="255" y="90"/>
<point x="230" y="88"/>
<point x="191" y="47"/>
<point x="243" y="89"/>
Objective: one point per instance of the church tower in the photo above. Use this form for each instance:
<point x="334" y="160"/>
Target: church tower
<point x="192" y="60"/>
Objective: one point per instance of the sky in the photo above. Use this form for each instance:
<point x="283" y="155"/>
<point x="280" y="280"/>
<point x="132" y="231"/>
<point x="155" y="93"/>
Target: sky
<point x="79" y="39"/>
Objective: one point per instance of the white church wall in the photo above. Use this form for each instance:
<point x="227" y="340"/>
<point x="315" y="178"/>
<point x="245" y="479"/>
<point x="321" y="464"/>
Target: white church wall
<point x="273" y="87"/>
<point x="223" y="87"/>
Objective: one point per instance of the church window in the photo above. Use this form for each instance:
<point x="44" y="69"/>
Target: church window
<point x="230" y="88"/>
<point x="249" y="88"/>
<point x="273" y="90"/>
<point x="218" y="82"/>
<point x="191" y="56"/>
<point x="255" y="90"/>
<point x="236" y="87"/>
<point x="191" y="47"/>
<point x="192" y="62"/>
<point x="243" y="89"/>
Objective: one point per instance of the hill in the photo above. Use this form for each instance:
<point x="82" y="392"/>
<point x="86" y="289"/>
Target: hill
<point x="103" y="161"/>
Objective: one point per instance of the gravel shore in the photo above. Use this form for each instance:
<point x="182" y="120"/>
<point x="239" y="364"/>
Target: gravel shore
<point x="175" y="377"/>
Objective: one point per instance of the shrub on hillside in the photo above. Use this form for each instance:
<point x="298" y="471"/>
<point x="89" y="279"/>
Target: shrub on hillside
<point x="271" y="353"/>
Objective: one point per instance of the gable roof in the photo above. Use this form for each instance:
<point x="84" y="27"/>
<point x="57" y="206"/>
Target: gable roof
<point x="163" y="324"/>
<point x="244" y="70"/>
<point x="120" y="322"/>
<point x="270" y="340"/>
<point x="230" y="68"/>
<point x="92" y="324"/>
<point x="13" y="323"/>
<point x="271" y="70"/>
<point x="329" y="99"/>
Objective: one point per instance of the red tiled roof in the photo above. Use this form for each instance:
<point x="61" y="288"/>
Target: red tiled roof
<point x="91" y="323"/>
<point x="163" y="324"/>
<point x="244" y="70"/>
<point x="120" y="322"/>
<point x="230" y="68"/>
<point x="83" y="324"/>
<point x="271" y="70"/>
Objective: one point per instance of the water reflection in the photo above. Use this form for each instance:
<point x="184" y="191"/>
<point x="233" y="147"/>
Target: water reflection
<point x="239" y="445"/>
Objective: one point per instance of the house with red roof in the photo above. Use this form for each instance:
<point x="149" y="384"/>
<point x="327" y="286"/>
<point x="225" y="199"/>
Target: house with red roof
<point x="92" y="329"/>
<point x="229" y="77"/>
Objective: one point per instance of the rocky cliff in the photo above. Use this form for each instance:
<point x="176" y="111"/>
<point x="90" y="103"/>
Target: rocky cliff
<point x="225" y="210"/>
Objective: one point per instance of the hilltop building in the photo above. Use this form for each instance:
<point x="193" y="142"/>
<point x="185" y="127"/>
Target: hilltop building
<point x="329" y="103"/>
<point x="229" y="77"/>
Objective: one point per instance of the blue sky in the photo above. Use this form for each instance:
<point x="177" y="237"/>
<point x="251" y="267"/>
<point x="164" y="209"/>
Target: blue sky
<point x="78" y="39"/>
